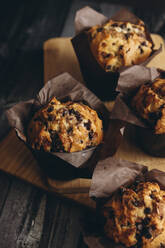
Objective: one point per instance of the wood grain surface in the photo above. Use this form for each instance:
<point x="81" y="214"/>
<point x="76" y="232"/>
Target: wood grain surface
<point x="31" y="217"/>
<point x="18" y="160"/>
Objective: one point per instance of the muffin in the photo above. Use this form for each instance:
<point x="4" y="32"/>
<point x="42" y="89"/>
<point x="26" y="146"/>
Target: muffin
<point x="115" y="44"/>
<point x="149" y="104"/>
<point x="135" y="216"/>
<point x="64" y="127"/>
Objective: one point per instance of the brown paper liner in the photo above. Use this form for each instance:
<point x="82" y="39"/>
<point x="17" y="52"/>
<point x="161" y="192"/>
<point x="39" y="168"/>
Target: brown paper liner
<point x="147" y="140"/>
<point x="138" y="131"/>
<point x="110" y="174"/>
<point x="62" y="165"/>
<point x="102" y="83"/>
<point x="107" y="179"/>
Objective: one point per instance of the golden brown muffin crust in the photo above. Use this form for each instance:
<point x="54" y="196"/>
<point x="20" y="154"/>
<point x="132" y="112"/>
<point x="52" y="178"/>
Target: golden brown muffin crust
<point x="136" y="216"/>
<point x="68" y="127"/>
<point x="149" y="104"/>
<point x="117" y="44"/>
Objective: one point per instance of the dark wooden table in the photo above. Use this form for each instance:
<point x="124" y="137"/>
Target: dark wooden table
<point x="30" y="217"/>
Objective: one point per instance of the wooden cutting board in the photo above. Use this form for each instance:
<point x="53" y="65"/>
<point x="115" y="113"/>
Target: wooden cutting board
<point x="18" y="161"/>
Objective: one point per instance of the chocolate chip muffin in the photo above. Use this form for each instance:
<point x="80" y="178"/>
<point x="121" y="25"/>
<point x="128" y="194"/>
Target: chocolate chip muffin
<point x="64" y="127"/>
<point x="117" y="44"/>
<point x="149" y="103"/>
<point x="135" y="216"/>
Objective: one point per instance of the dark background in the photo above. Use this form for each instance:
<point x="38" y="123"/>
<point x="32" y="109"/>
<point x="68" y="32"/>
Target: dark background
<point x="29" y="217"/>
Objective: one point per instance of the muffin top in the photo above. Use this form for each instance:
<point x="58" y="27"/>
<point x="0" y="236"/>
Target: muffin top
<point x="135" y="216"/>
<point x="64" y="127"/>
<point x="149" y="104"/>
<point x="116" y="44"/>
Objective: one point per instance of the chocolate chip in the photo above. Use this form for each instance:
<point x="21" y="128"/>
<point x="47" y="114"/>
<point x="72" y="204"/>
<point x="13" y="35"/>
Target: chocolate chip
<point x="52" y="132"/>
<point x="46" y="142"/>
<point x="91" y="134"/>
<point x="139" y="244"/>
<point x="52" y="103"/>
<point x="123" y="25"/>
<point x="71" y="111"/>
<point x="136" y="203"/>
<point x="120" y="47"/>
<point x="108" y="67"/>
<point x="50" y="109"/>
<point x="147" y="210"/>
<point x="99" y="29"/>
<point x="147" y="233"/>
<point x="51" y="118"/>
<point x="139" y="226"/>
<point x="113" y="44"/>
<point x="146" y="221"/>
<point x="65" y="111"/>
<point x="153" y="227"/>
<point x="78" y="116"/>
<point x="114" y="25"/>
<point x="154" y="197"/>
<point x="137" y="236"/>
<point x="143" y="43"/>
<point x="161" y="93"/>
<point x="128" y="29"/>
<point x="56" y="142"/>
<point x="127" y="36"/>
<point x="104" y="44"/>
<point x="76" y="113"/>
<point x="81" y="141"/>
<point x="87" y="125"/>
<point x="141" y="49"/>
<point x="70" y="130"/>
<point x="105" y="55"/>
<point x="128" y="50"/>
<point x="155" y="115"/>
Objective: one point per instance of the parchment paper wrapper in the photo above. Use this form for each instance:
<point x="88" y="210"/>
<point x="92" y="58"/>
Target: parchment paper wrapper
<point x="61" y="165"/>
<point x="102" y="83"/>
<point x="112" y="173"/>
<point x="137" y="130"/>
<point x="105" y="181"/>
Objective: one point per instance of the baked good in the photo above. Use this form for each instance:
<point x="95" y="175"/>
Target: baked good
<point x="116" y="44"/>
<point x="158" y="242"/>
<point x="135" y="216"/>
<point x="65" y="127"/>
<point x="149" y="104"/>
